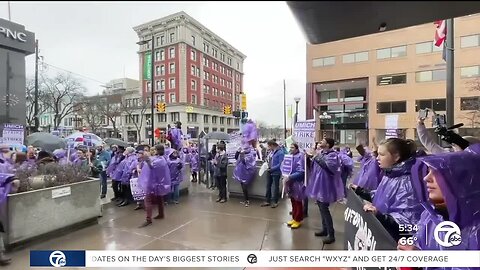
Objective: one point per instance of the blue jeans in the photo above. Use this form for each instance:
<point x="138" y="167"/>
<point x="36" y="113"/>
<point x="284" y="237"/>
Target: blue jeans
<point x="275" y="180"/>
<point x="175" y="195"/>
<point x="103" y="182"/>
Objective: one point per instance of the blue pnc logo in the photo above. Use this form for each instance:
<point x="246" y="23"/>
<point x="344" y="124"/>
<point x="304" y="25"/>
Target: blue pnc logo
<point x="57" y="258"/>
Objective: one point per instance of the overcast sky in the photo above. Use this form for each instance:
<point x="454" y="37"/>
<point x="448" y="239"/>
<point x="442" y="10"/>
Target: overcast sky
<point x="96" y="40"/>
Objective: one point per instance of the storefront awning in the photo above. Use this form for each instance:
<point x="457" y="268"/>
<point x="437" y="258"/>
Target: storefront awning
<point x="326" y="21"/>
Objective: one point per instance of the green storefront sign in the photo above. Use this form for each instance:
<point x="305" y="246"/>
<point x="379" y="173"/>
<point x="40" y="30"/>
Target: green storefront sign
<point x="147" y="66"/>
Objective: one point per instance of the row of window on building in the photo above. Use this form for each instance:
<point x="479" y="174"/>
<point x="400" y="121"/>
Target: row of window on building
<point x="466" y="103"/>
<point x="175" y="116"/>
<point x="394" y="52"/>
<point x="426" y="76"/>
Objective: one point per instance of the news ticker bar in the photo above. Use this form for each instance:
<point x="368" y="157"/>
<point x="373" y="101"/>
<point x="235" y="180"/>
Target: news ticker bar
<point x="242" y="258"/>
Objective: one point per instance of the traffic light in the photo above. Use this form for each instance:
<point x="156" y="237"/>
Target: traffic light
<point x="227" y="110"/>
<point x="161" y="107"/>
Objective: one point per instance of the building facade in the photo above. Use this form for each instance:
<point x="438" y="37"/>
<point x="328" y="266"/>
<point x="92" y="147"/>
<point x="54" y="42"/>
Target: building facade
<point x="367" y="86"/>
<point x="196" y="73"/>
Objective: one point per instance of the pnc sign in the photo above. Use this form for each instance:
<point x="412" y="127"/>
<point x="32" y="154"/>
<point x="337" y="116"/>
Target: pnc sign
<point x="15" y="35"/>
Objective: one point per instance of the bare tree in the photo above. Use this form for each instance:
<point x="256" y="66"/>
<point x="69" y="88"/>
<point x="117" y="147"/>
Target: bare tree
<point x="90" y="111"/>
<point x="61" y="93"/>
<point x="30" y="103"/>
<point x="473" y="116"/>
<point x="135" y="112"/>
<point x="111" y="109"/>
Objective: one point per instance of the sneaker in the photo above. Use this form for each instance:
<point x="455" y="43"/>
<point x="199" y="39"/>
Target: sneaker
<point x="102" y="196"/>
<point x="158" y="217"/>
<point x="290" y="222"/>
<point x="218" y="200"/>
<point x="275" y="205"/>
<point x="176" y="202"/>
<point x="295" y="225"/>
<point x="145" y="224"/>
<point x="247" y="204"/>
<point x="265" y="204"/>
<point x="222" y="201"/>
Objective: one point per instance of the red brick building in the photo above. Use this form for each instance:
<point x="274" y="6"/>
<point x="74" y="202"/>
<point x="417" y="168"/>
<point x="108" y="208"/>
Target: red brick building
<point x="196" y="74"/>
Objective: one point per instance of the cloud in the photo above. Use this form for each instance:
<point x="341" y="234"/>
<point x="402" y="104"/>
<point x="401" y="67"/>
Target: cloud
<point x="96" y="40"/>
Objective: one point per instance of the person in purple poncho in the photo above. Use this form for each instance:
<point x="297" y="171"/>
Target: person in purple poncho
<point x="129" y="163"/>
<point x="112" y="172"/>
<point x="176" y="136"/>
<point x="60" y="156"/>
<point x="194" y="164"/>
<point x="175" y="164"/>
<point x="370" y="173"/>
<point x="394" y="202"/>
<point x="450" y="192"/>
<point x="155" y="180"/>
<point x="294" y="186"/>
<point x="346" y="166"/>
<point x="245" y="169"/>
<point x="8" y="184"/>
<point x="325" y="185"/>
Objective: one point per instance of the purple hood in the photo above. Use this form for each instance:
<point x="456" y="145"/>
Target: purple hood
<point x="458" y="176"/>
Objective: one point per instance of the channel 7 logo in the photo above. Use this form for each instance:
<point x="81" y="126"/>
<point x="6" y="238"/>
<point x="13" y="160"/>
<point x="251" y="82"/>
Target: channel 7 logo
<point x="447" y="234"/>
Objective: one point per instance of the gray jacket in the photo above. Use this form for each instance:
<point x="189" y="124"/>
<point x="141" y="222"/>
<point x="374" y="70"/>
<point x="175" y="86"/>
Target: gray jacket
<point x="221" y="166"/>
<point x="429" y="144"/>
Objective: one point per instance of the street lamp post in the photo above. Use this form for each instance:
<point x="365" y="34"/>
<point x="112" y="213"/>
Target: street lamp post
<point x="297" y="100"/>
<point x="152" y="83"/>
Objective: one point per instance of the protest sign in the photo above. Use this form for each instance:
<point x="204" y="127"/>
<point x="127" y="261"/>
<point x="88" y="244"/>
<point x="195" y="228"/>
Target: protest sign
<point x="304" y="134"/>
<point x="137" y="192"/>
<point x="13" y="134"/>
<point x="287" y="165"/>
<point x="363" y="231"/>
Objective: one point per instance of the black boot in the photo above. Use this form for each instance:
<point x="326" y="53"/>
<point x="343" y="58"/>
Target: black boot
<point x="329" y="240"/>
<point x="321" y="233"/>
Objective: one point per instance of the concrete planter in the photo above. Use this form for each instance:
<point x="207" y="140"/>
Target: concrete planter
<point x="32" y="214"/>
<point x="257" y="188"/>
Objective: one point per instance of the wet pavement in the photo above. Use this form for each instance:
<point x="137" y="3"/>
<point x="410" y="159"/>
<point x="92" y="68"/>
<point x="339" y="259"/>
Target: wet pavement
<point x="197" y="223"/>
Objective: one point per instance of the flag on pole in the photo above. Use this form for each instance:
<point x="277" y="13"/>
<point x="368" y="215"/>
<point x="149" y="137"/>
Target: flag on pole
<point x="441" y="36"/>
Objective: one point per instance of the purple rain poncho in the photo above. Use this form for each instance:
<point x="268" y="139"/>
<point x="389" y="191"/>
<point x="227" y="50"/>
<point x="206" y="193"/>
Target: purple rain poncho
<point x="245" y="168"/>
<point x="370" y="174"/>
<point x="127" y="172"/>
<point x="194" y="162"/>
<point x="155" y="178"/>
<point x="176" y="171"/>
<point x="60" y="155"/>
<point x="347" y="163"/>
<point x="185" y="155"/>
<point x="458" y="177"/>
<point x="4" y="186"/>
<point x="114" y="162"/>
<point x="249" y="133"/>
<point x="325" y="184"/>
<point x="395" y="195"/>
<point x="295" y="187"/>
<point x="176" y="138"/>
<point x="474" y="148"/>
<point x="117" y="174"/>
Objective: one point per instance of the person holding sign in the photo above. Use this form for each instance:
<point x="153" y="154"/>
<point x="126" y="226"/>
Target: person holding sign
<point x="293" y="177"/>
<point x="325" y="185"/>
<point x="155" y="180"/>
<point x="393" y="202"/>
<point x="449" y="192"/>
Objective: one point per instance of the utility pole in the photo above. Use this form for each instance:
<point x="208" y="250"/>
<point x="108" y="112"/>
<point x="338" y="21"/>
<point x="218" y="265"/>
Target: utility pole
<point x="450" y="58"/>
<point x="35" y="112"/>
